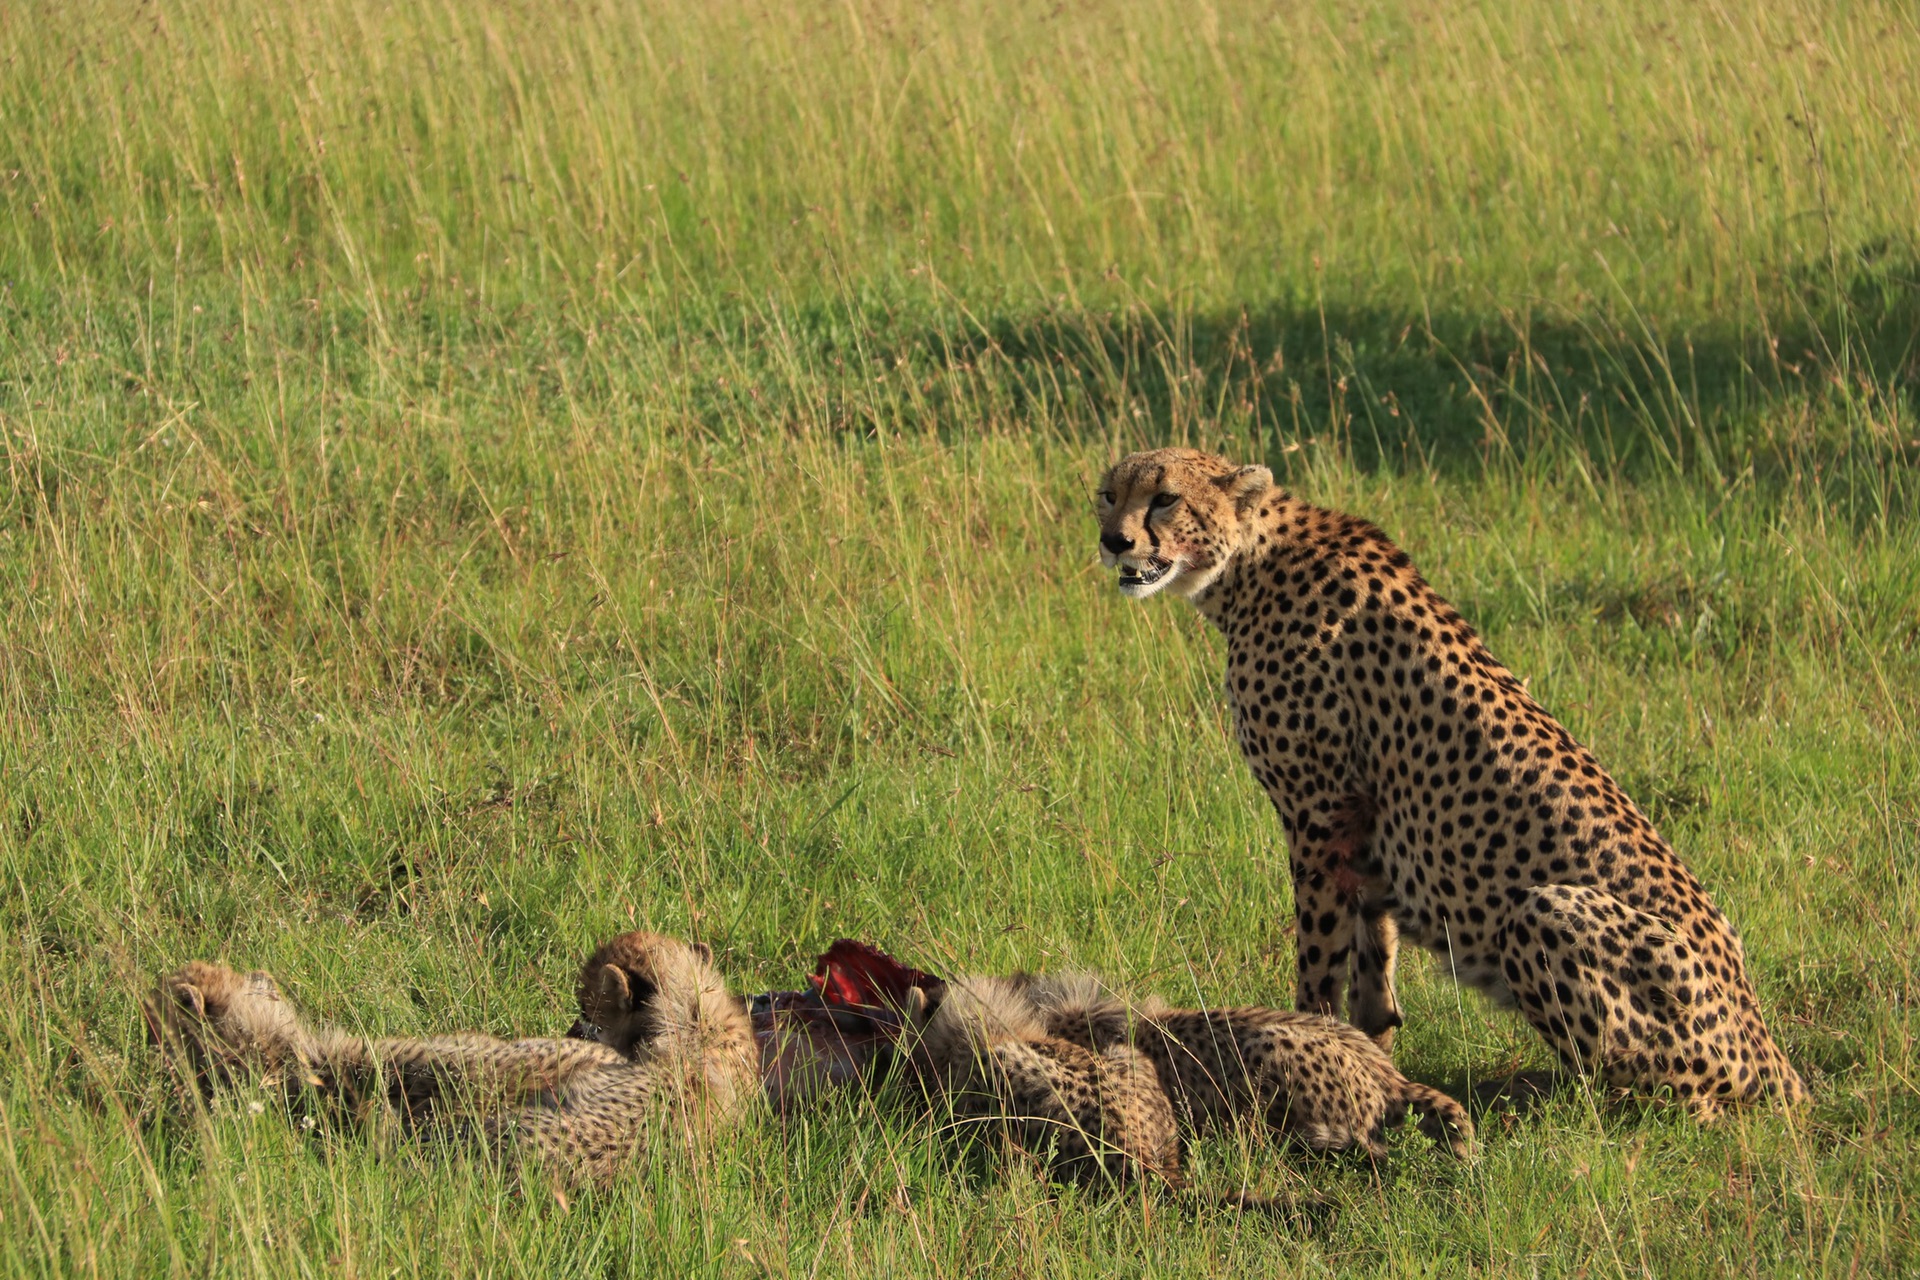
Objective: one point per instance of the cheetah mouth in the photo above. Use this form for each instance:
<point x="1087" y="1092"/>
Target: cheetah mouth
<point x="1145" y="576"/>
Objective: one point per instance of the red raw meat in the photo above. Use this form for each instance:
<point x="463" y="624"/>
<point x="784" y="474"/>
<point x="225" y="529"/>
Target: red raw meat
<point x="832" y="1034"/>
<point x="857" y="976"/>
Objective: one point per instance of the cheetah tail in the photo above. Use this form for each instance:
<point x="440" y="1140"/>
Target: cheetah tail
<point x="1305" y="1210"/>
<point x="1441" y="1118"/>
<point x="1308" y="1212"/>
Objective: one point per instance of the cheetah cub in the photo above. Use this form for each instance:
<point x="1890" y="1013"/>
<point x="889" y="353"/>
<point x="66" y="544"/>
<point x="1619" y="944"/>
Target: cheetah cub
<point x="577" y="1108"/>
<point x="660" y="1000"/>
<point x="1309" y="1078"/>
<point x="1092" y="1115"/>
<point x="1428" y="798"/>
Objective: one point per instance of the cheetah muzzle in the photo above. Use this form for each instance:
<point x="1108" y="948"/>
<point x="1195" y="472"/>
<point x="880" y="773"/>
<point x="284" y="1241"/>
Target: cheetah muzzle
<point x="1140" y="579"/>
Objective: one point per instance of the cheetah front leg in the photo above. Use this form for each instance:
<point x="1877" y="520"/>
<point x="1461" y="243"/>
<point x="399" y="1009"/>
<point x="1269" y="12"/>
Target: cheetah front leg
<point x="1374" y="1007"/>
<point x="1320" y="948"/>
<point x="1329" y="860"/>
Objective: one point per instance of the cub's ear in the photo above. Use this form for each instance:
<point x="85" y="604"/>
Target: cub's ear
<point x="1244" y="486"/>
<point x="704" y="951"/>
<point x="188" y="996"/>
<point x="610" y="986"/>
<point x="916" y="1006"/>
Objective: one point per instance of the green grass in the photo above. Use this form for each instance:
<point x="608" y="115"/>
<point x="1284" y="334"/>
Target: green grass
<point x="479" y="475"/>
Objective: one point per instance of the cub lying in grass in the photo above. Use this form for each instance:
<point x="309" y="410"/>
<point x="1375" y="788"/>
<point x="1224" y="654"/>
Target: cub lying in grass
<point x="580" y="1109"/>
<point x="1094" y="1114"/>
<point x="1309" y="1078"/>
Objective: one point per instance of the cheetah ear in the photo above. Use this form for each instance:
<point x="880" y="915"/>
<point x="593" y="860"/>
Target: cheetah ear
<point x="610" y="984"/>
<point x="1244" y="486"/>
<point x="704" y="951"/>
<point x="916" y="1006"/>
<point x="188" y="996"/>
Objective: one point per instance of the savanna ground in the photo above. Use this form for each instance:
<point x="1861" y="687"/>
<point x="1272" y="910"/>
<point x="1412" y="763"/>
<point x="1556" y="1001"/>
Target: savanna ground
<point x="481" y="476"/>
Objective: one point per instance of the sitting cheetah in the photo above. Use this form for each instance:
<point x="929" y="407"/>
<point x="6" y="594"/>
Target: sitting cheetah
<point x="1101" y="1115"/>
<point x="1425" y="795"/>
<point x="580" y="1108"/>
<point x="1307" y="1077"/>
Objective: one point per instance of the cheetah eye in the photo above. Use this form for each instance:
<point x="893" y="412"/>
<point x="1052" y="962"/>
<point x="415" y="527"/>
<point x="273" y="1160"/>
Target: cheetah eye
<point x="1161" y="501"/>
<point x="1105" y="496"/>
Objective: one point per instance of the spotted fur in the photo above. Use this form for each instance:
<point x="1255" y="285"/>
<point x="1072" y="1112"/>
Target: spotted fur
<point x="649" y="996"/>
<point x="579" y="1109"/>
<point x="1094" y="1115"/>
<point x="1307" y="1077"/>
<point x="1426" y="796"/>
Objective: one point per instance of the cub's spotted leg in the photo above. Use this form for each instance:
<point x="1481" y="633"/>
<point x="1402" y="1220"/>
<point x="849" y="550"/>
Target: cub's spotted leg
<point x="1621" y="994"/>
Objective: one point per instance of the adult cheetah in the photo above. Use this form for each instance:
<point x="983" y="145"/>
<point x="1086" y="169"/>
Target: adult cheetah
<point x="1309" y="1078"/>
<point x="580" y="1109"/>
<point x="1426" y="795"/>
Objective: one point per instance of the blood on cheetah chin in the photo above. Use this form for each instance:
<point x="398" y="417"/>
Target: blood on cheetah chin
<point x="1139" y="577"/>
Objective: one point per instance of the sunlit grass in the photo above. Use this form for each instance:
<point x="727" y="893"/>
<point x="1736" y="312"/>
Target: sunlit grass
<point x="480" y="476"/>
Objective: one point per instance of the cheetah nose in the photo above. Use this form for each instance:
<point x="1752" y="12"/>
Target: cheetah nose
<point x="1116" y="542"/>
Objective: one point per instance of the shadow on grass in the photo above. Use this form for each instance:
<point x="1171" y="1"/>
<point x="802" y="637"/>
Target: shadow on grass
<point x="1825" y="385"/>
<point x="1445" y="390"/>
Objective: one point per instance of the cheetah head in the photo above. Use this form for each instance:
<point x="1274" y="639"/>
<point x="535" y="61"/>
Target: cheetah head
<point x="965" y="1016"/>
<point x="635" y="988"/>
<point x="1171" y="519"/>
<point x="223" y="1023"/>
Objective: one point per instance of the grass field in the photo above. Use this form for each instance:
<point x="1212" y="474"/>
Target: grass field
<point x="481" y="475"/>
